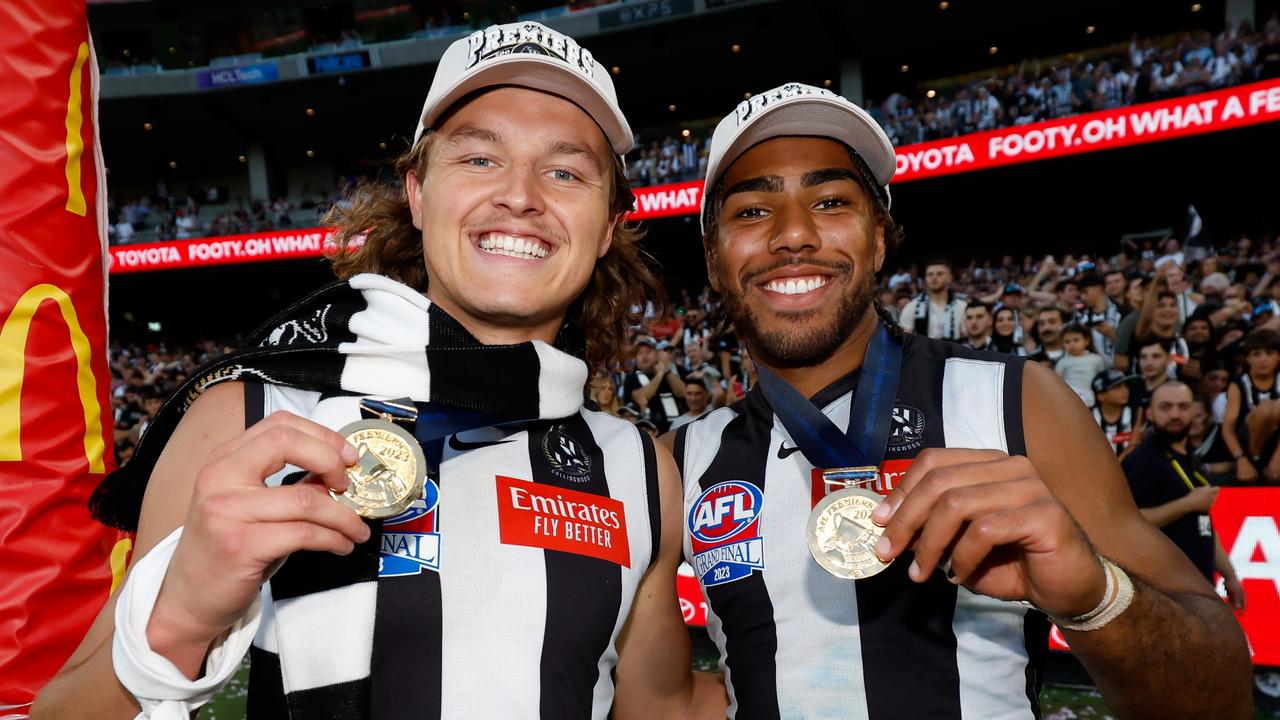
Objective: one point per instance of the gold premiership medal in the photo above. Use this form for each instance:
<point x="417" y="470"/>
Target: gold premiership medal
<point x="390" y="472"/>
<point x="840" y="533"/>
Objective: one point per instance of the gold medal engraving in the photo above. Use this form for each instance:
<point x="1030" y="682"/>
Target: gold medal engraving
<point x="389" y="474"/>
<point x="842" y="537"/>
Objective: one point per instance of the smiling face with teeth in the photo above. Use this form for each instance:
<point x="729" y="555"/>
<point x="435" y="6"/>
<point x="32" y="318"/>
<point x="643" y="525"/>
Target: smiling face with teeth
<point x="795" y="250"/>
<point x="514" y="211"/>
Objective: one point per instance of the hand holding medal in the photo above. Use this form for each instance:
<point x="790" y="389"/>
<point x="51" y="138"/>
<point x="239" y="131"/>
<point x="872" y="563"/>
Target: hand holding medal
<point x="237" y="530"/>
<point x="989" y="522"/>
<point x="390" y="471"/>
<point x="840" y="532"/>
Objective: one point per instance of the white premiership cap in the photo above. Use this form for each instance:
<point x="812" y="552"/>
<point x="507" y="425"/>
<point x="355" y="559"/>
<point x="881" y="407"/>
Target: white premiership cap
<point x="531" y="55"/>
<point x="799" y="109"/>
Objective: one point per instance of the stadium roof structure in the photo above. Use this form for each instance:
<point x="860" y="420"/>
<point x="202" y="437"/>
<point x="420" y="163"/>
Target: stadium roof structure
<point x="674" y="69"/>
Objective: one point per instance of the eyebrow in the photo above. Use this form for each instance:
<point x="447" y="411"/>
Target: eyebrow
<point x="774" y="183"/>
<point x="814" y="178"/>
<point x="560" y="147"/>
<point x="564" y="147"/>
<point x="764" y="183"/>
<point x="474" y="132"/>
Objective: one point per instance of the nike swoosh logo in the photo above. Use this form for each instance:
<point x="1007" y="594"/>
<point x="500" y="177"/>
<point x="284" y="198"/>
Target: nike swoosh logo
<point x="463" y="445"/>
<point x="784" y="452"/>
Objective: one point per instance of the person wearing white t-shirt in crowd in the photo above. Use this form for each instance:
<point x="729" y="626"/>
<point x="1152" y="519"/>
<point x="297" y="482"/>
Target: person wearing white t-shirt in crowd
<point x="938" y="311"/>
<point x="123" y="230"/>
<point x="1172" y="250"/>
<point x="1080" y="365"/>
<point x="902" y="277"/>
<point x="186" y="224"/>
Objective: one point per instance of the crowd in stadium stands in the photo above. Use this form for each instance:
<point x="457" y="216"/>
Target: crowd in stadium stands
<point x="1115" y="328"/>
<point x="1094" y="80"/>
<point x="1097" y="80"/>
<point x="201" y="213"/>
<point x="671" y="160"/>
<point x="142" y="378"/>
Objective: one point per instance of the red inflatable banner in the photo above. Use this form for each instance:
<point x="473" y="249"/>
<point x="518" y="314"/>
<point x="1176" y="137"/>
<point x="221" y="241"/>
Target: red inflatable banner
<point x="58" y="564"/>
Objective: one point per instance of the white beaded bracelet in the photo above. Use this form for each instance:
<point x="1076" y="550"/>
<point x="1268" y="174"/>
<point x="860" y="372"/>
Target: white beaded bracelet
<point x="1115" y="600"/>
<point x="162" y="691"/>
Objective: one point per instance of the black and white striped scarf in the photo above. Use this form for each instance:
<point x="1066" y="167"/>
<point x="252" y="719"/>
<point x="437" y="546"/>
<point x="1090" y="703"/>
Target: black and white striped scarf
<point x="364" y="336"/>
<point x="405" y="347"/>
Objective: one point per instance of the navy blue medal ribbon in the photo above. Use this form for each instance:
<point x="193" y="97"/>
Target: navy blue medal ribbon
<point x="870" y="418"/>
<point x="431" y="422"/>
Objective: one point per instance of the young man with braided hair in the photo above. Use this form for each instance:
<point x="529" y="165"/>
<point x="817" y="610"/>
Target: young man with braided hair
<point x="530" y="573"/>
<point x="885" y="525"/>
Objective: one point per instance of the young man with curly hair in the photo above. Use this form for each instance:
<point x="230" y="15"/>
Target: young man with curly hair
<point x="532" y="575"/>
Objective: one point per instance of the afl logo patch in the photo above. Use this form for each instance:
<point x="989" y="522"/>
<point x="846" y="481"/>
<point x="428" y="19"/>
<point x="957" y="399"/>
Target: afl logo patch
<point x="907" y="429"/>
<point x="724" y="532"/>
<point x="411" y="540"/>
<point x="566" y="456"/>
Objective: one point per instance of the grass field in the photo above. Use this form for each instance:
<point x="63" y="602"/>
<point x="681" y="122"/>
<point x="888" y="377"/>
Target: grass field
<point x="1059" y="701"/>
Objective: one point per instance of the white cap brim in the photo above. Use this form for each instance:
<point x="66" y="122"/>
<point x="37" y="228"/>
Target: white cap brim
<point x="536" y="72"/>
<point x="813" y="115"/>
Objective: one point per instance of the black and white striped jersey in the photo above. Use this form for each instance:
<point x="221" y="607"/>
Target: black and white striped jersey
<point x="1120" y="432"/>
<point x="512" y="579"/>
<point x="797" y="642"/>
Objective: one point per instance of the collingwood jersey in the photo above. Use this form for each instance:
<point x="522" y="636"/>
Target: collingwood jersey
<point x="1120" y="432"/>
<point x="509" y="580"/>
<point x="1251" y="396"/>
<point x="797" y="642"/>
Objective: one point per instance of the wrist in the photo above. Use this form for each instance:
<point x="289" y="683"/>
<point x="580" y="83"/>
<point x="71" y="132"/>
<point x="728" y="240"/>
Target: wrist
<point x="176" y="635"/>
<point x="1116" y="598"/>
<point x="1092" y="594"/>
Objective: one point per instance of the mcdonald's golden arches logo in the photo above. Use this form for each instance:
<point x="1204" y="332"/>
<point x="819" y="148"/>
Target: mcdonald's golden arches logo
<point x="13" y="345"/>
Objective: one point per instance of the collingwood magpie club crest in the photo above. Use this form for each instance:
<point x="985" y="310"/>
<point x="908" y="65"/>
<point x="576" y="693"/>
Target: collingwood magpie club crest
<point x="906" y="431"/>
<point x="566" y="456"/>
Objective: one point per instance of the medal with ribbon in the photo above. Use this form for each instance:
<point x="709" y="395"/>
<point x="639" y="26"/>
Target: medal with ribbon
<point x="392" y="467"/>
<point x="840" y="533"/>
